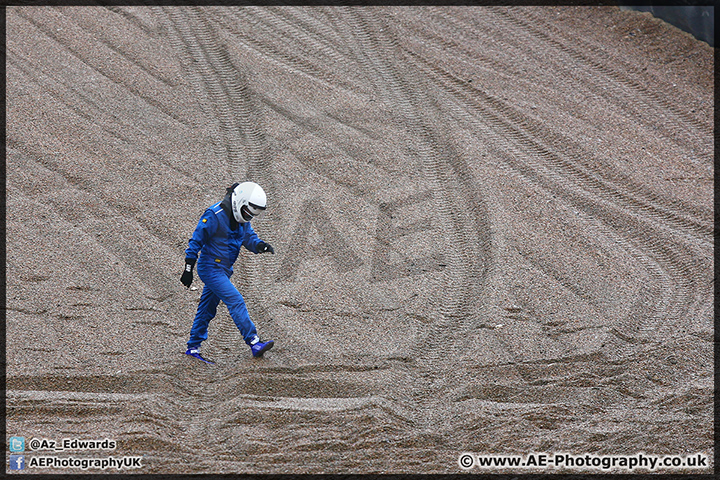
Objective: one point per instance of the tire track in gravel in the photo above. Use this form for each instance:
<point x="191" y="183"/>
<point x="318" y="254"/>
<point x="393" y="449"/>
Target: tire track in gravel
<point x="303" y="44"/>
<point x="103" y="208"/>
<point x="89" y="22"/>
<point x="577" y="160"/>
<point x="684" y="219"/>
<point x="566" y="156"/>
<point x="457" y="198"/>
<point x="645" y="100"/>
<point x="301" y="41"/>
<point x="222" y="89"/>
<point x="42" y="22"/>
<point x="89" y="110"/>
<point x="79" y="99"/>
<point x="313" y="48"/>
<point x="674" y="268"/>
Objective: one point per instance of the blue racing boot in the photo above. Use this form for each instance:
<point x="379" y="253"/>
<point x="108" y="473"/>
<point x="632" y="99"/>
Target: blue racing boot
<point x="195" y="352"/>
<point x="258" y="348"/>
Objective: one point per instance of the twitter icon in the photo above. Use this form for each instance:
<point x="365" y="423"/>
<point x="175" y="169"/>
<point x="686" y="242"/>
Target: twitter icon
<point x="17" y="444"/>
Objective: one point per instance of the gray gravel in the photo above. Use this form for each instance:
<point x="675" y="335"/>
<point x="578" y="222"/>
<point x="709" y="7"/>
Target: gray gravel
<point x="493" y="234"/>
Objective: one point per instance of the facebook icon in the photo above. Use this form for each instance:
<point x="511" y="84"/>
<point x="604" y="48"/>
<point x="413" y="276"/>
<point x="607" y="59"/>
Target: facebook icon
<point x="17" y="462"/>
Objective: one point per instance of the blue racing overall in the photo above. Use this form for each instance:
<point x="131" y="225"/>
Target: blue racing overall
<point x="217" y="239"/>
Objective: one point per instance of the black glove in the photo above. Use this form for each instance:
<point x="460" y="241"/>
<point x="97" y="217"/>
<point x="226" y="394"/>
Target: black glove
<point x="265" y="247"/>
<point x="187" y="276"/>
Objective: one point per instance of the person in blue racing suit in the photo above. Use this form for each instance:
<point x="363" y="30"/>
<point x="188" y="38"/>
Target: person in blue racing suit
<point x="214" y="246"/>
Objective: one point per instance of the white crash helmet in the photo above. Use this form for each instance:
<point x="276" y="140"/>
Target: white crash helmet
<point x="248" y="201"/>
